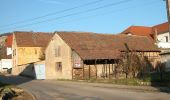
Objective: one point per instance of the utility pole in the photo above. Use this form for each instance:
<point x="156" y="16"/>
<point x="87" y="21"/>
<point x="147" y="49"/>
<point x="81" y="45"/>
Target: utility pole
<point x="168" y="12"/>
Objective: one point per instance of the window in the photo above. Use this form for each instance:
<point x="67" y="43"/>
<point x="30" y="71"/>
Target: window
<point x="166" y="38"/>
<point x="57" y="51"/>
<point x="58" y="66"/>
<point x="14" y="52"/>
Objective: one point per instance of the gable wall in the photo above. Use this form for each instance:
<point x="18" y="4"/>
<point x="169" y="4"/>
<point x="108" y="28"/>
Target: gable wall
<point x="51" y="59"/>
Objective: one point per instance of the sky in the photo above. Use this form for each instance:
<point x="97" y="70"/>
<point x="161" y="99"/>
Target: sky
<point x="100" y="16"/>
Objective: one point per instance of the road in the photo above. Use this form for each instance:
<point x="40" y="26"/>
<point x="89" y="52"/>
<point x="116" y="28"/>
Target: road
<point x="64" y="90"/>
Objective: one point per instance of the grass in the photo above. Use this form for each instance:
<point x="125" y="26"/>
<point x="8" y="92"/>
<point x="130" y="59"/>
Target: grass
<point x="147" y="80"/>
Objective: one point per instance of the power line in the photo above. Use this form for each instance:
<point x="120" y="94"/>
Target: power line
<point x="111" y="12"/>
<point x="77" y="13"/>
<point x="53" y="13"/>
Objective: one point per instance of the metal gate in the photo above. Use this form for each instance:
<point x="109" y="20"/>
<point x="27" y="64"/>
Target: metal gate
<point x="40" y="71"/>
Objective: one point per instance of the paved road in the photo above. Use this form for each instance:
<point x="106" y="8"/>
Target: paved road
<point x="60" y="90"/>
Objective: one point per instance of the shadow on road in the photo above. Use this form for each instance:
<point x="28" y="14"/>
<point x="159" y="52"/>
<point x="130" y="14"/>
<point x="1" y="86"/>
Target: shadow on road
<point x="15" y="80"/>
<point x="161" y="81"/>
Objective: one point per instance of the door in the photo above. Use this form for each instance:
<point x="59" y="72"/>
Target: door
<point x="40" y="71"/>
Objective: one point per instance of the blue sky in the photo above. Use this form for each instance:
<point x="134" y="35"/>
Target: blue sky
<point x="17" y="15"/>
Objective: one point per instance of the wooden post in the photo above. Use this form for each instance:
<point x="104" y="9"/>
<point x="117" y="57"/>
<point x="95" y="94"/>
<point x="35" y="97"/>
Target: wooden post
<point x="72" y="68"/>
<point x="106" y="67"/>
<point x="83" y="71"/>
<point x="115" y="69"/>
<point x="89" y="72"/>
<point x="112" y="69"/>
<point x="96" y="69"/>
<point x="104" y="70"/>
<point x="109" y="71"/>
<point x="72" y="73"/>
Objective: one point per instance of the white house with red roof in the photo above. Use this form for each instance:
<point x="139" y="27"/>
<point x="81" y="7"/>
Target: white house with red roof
<point x="6" y="59"/>
<point x="158" y="33"/>
<point x="163" y="35"/>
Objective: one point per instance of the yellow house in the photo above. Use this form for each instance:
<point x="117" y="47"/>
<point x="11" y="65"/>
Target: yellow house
<point x="28" y="47"/>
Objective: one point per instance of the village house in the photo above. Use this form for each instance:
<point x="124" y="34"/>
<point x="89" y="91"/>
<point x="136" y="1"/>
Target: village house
<point x="159" y="34"/>
<point x="163" y="35"/>
<point x="84" y="55"/>
<point x="27" y="49"/>
<point x="139" y="31"/>
<point x="6" y="54"/>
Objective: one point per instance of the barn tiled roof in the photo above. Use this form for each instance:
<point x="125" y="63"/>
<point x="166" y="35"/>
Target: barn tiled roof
<point x="32" y="39"/>
<point x="105" y="46"/>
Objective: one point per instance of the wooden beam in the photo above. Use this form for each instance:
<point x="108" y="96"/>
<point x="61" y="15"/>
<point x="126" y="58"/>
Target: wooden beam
<point x="115" y="69"/>
<point x="72" y="68"/>
<point x="104" y="70"/>
<point x="72" y="73"/>
<point x="83" y="71"/>
<point x="112" y="68"/>
<point x="109" y="71"/>
<point x="106" y="67"/>
<point x="89" y="72"/>
<point x="96" y="69"/>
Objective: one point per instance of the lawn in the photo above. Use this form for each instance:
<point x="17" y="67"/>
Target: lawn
<point x="152" y="79"/>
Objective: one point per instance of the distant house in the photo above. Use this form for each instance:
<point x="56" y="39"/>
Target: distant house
<point x="27" y="48"/>
<point x="9" y="46"/>
<point x="72" y="55"/>
<point x="6" y="54"/>
<point x="139" y="31"/>
<point x="163" y="35"/>
<point x="159" y="33"/>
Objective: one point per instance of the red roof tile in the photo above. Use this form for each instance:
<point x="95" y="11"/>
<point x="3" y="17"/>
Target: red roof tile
<point x="147" y="31"/>
<point x="162" y="28"/>
<point x="139" y="30"/>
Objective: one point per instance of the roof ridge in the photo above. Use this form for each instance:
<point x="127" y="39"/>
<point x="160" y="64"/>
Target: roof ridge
<point x="83" y="32"/>
<point x="159" y="24"/>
